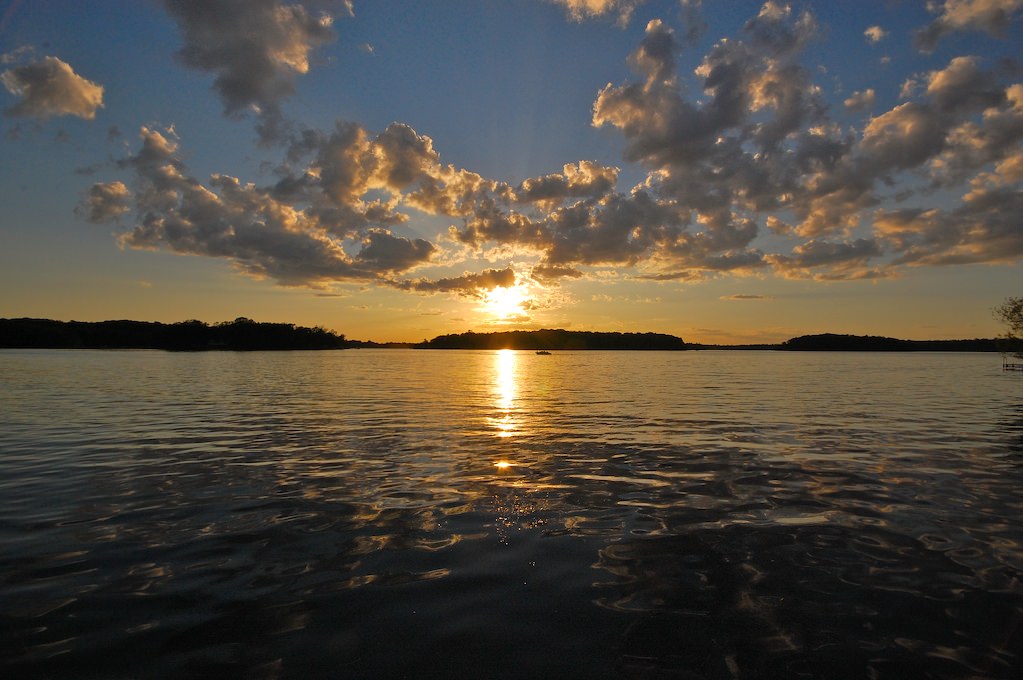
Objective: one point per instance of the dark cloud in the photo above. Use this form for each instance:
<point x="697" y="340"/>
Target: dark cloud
<point x="742" y="297"/>
<point x="387" y="252"/>
<point x="255" y="48"/>
<point x="985" y="228"/>
<point x="838" y="260"/>
<point x="50" y="87"/>
<point x="964" y="86"/>
<point x="585" y="179"/>
<point x="105" y="202"/>
<point x="469" y="284"/>
<point x="692" y="20"/>
<point x="774" y="31"/>
<point x="991" y="16"/>
<point x="547" y="273"/>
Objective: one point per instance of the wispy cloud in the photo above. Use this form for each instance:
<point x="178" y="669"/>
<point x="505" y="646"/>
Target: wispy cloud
<point x="742" y="297"/>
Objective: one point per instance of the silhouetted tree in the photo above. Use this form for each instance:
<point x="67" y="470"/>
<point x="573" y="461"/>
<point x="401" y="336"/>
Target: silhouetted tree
<point x="1010" y="313"/>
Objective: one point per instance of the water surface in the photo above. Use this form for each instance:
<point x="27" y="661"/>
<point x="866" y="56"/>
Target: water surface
<point x="391" y="513"/>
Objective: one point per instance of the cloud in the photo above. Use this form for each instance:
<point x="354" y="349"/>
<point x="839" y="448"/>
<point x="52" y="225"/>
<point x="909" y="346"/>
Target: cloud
<point x="296" y="244"/>
<point x="386" y="252"/>
<point x="50" y="87"/>
<point x="860" y="100"/>
<point x="743" y="297"/>
<point x="875" y="34"/>
<point x="581" y="10"/>
<point x="983" y="229"/>
<point x="553" y="273"/>
<point x="105" y="202"/>
<point x="470" y="284"/>
<point x="723" y="155"/>
<point x="759" y="140"/>
<point x="838" y="259"/>
<point x="904" y="137"/>
<point x="990" y="16"/>
<point x="256" y="48"/>
<point x="740" y="147"/>
<point x="693" y="21"/>
<point x="963" y="85"/>
<point x="585" y="179"/>
<point x="775" y="31"/>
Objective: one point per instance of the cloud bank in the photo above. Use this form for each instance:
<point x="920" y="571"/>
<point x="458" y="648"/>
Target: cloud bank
<point x="742" y="152"/>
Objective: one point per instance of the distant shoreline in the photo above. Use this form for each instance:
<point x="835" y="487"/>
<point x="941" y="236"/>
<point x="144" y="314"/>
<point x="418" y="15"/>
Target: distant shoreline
<point x="245" y="334"/>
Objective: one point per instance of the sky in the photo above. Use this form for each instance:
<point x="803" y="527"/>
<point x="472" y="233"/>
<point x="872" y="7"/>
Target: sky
<point x="721" y="170"/>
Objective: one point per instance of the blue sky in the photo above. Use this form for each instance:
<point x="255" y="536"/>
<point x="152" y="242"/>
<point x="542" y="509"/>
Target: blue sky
<point x="725" y="171"/>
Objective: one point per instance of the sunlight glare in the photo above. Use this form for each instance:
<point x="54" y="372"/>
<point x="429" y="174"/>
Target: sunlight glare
<point x="505" y="303"/>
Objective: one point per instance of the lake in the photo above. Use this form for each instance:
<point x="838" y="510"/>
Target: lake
<point x="459" y="514"/>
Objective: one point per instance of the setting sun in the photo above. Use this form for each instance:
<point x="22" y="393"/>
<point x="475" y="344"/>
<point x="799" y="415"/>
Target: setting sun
<point x="506" y="303"/>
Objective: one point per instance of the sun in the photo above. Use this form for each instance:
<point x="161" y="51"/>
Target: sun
<point x="506" y="302"/>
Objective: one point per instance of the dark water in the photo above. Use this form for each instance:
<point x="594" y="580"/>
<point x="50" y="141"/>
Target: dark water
<point x="662" y="515"/>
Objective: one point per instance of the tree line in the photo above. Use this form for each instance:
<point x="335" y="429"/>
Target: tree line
<point x="833" y="342"/>
<point x="551" y="339"/>
<point x="246" y="334"/>
<point x="240" y="334"/>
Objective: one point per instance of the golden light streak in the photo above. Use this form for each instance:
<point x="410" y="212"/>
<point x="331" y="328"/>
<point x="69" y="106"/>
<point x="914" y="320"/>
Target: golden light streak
<point x="505" y="389"/>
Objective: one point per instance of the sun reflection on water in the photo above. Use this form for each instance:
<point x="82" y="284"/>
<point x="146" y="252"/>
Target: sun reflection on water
<point x="505" y="391"/>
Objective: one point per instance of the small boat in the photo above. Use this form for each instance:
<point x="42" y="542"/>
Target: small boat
<point x="542" y="351"/>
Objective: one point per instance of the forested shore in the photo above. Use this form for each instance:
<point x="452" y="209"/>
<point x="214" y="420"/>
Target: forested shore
<point x="246" y="334"/>
<point x="240" y="334"/>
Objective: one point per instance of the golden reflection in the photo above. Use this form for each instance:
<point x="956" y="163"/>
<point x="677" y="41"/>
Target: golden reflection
<point x="505" y="378"/>
<point x="505" y="390"/>
<point x="502" y="465"/>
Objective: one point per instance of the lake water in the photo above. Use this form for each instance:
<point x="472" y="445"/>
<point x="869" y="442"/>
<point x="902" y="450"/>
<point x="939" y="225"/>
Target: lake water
<point x="393" y="513"/>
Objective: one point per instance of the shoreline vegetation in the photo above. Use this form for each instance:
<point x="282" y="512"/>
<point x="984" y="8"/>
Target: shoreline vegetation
<point x="244" y="334"/>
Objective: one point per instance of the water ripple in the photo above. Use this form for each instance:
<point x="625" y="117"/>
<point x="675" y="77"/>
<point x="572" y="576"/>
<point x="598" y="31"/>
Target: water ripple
<point x="375" y="514"/>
